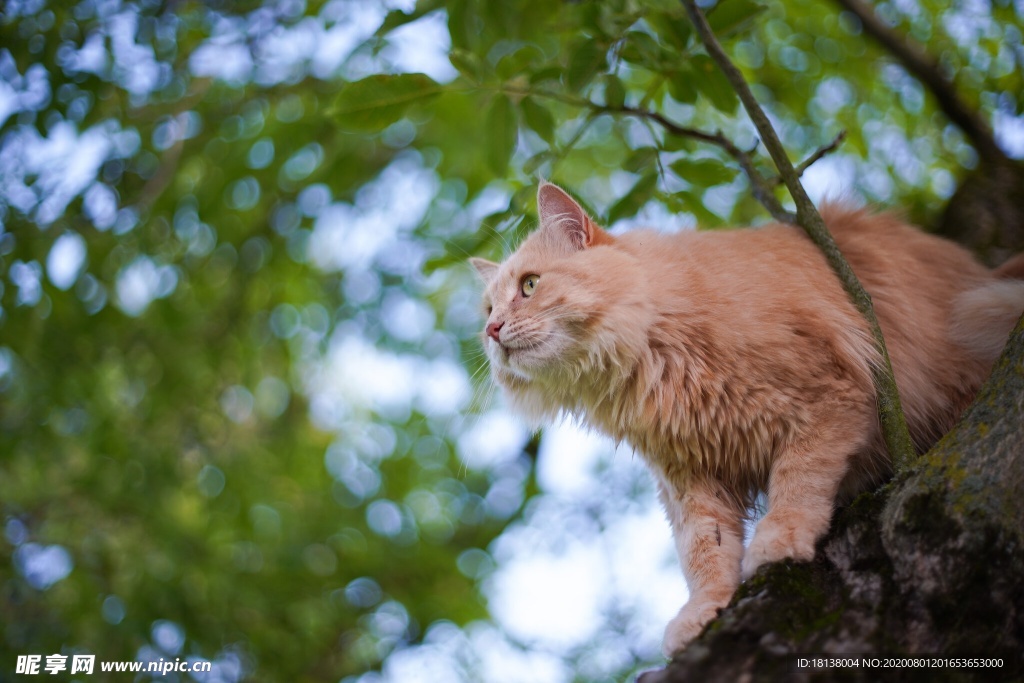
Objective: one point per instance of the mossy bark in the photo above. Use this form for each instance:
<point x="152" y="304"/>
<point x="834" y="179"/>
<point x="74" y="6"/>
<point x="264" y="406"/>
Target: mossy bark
<point x="933" y="563"/>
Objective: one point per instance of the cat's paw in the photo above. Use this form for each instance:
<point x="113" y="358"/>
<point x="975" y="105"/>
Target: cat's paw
<point x="687" y="625"/>
<point x="775" y="542"/>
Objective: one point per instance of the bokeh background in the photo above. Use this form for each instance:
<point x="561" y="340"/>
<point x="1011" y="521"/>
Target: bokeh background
<point x="244" y="413"/>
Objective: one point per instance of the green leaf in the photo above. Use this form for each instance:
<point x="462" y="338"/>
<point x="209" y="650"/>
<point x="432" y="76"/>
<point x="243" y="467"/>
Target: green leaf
<point x="538" y="119"/>
<point x="486" y="241"/>
<point x="672" y="28"/>
<point x="522" y="200"/>
<point x="642" y="49"/>
<point x="518" y="61"/>
<point x="731" y="16"/>
<point x="536" y="161"/>
<point x="551" y="73"/>
<point x="633" y="200"/>
<point x="378" y="101"/>
<point x="396" y="18"/>
<point x="584" y="63"/>
<point x="502" y="132"/>
<point x="613" y="17"/>
<point x="614" y="92"/>
<point x="467" y="63"/>
<point x="703" y="172"/>
<point x="642" y="159"/>
<point x="681" y="86"/>
<point x="709" y="81"/>
<point x="677" y="143"/>
<point x="460" y="20"/>
<point x="690" y="202"/>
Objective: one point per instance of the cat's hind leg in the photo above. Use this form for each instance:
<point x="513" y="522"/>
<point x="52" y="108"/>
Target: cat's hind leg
<point x="707" y="523"/>
<point x="803" y="485"/>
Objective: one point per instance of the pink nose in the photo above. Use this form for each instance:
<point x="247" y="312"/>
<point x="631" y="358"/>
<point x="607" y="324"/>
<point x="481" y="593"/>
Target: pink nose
<point x="493" y="329"/>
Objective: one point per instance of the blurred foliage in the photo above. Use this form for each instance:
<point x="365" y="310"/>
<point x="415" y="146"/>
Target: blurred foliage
<point x="173" y="451"/>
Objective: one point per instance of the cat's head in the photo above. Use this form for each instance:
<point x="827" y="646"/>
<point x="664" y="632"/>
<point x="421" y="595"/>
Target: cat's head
<point x="556" y="307"/>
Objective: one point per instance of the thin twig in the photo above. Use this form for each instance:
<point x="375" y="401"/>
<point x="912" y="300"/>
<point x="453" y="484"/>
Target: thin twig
<point x="921" y="65"/>
<point x="814" y="158"/>
<point x="761" y="187"/>
<point x="894" y="425"/>
<point x="657" y="157"/>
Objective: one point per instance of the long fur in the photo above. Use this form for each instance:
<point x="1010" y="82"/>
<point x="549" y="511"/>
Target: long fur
<point x="734" y="362"/>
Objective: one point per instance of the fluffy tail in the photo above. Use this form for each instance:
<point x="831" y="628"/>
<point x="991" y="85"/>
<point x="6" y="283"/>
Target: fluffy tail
<point x="1012" y="269"/>
<point x="983" y="318"/>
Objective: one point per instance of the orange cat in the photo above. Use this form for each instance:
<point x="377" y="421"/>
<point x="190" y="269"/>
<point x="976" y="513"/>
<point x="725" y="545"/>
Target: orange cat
<point x="734" y="363"/>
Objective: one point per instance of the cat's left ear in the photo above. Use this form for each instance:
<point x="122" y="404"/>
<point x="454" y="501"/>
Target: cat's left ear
<point x="560" y="212"/>
<point x="485" y="269"/>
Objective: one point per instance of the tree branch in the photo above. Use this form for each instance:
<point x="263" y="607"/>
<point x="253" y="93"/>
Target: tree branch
<point x="761" y="187"/>
<point x="921" y="65"/>
<point x="894" y="426"/>
<point x="811" y="160"/>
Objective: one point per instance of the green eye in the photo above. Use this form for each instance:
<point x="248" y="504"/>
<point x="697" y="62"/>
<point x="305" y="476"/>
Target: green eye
<point x="530" y="284"/>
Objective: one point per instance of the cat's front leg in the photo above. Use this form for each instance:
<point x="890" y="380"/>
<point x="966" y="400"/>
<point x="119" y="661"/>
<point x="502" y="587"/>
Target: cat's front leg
<point x="802" y="489"/>
<point x="708" y="528"/>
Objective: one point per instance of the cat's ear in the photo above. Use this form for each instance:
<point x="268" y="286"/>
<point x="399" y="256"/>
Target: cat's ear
<point x="485" y="269"/>
<point x="560" y="212"/>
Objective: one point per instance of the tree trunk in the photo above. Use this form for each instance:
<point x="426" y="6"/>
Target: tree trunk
<point x="932" y="563"/>
<point x="986" y="214"/>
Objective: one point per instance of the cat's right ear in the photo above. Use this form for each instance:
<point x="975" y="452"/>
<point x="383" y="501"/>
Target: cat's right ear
<point x="560" y="212"/>
<point x="485" y="269"/>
